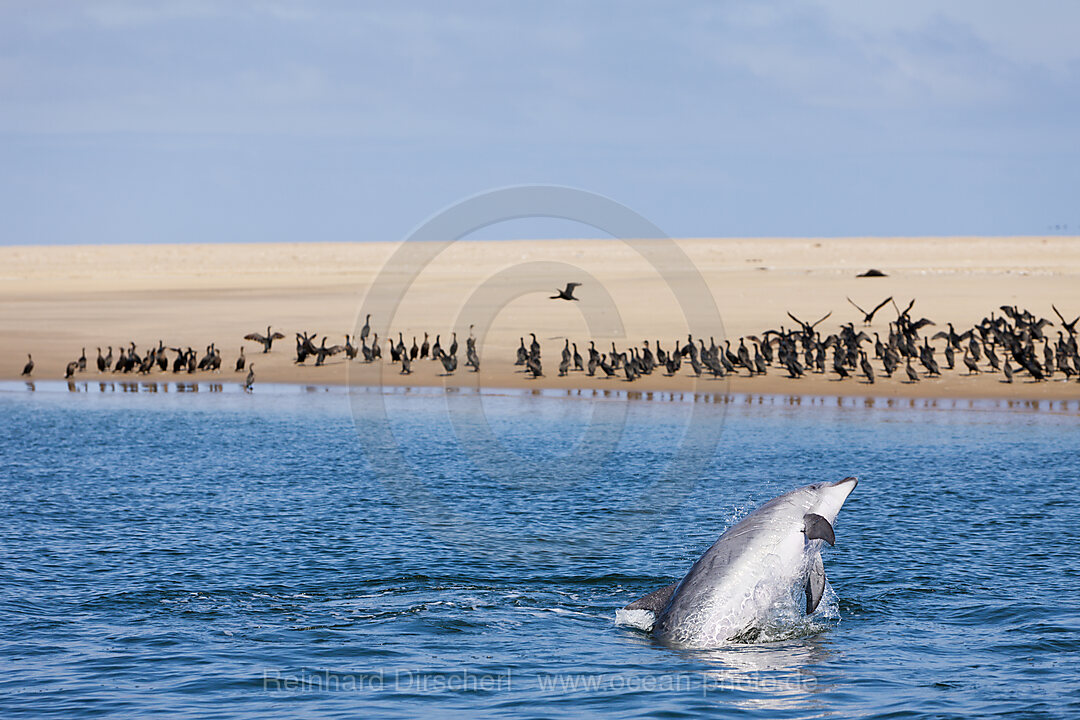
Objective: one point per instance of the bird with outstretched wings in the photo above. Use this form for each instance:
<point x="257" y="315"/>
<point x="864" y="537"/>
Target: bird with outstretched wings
<point x="868" y="317"/>
<point x="266" y="340"/>
<point x="1070" y="327"/>
<point x="568" y="293"/>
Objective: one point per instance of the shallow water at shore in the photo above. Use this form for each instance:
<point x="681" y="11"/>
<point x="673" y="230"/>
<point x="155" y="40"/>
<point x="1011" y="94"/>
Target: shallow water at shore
<point x="308" y="551"/>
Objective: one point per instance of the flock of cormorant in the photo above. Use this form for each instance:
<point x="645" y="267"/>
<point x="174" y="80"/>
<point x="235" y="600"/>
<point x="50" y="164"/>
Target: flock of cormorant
<point x="1015" y="342"/>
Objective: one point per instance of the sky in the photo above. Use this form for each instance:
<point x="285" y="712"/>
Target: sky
<point x="245" y="121"/>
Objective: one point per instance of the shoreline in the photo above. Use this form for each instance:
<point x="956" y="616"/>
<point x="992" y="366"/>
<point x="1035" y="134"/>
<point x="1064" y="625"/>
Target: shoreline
<point x="56" y="300"/>
<point x="337" y="373"/>
<point x="231" y="386"/>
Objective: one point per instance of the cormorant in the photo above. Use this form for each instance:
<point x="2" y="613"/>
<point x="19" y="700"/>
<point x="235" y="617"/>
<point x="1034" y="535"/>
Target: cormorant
<point x="911" y="374"/>
<point x="868" y="317"/>
<point x="867" y="369"/>
<point x="449" y="362"/>
<point x="567" y="294"/>
<point x="972" y="366"/>
<point x="266" y="340"/>
<point x="1070" y="327"/>
<point x="322" y="352"/>
<point x="808" y="328"/>
<point x="366" y="329"/>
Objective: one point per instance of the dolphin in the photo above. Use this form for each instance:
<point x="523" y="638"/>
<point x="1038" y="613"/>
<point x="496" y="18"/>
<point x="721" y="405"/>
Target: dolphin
<point x="755" y="565"/>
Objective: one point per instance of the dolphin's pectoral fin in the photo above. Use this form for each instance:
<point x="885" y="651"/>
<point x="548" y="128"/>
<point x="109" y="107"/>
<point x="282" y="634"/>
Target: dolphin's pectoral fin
<point x="815" y="584"/>
<point x="655" y="601"/>
<point x="818" y="528"/>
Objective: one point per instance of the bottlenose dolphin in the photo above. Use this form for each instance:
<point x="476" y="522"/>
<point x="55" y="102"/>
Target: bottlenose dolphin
<point x="754" y="565"/>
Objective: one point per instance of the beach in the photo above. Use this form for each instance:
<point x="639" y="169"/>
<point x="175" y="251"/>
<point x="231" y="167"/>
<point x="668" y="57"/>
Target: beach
<point x="57" y="300"/>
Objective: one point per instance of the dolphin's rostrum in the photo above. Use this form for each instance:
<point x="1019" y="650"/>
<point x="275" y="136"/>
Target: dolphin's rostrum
<point x="754" y="565"/>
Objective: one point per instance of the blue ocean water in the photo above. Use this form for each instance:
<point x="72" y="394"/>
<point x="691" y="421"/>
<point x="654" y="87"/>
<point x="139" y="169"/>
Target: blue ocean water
<point x="311" y="553"/>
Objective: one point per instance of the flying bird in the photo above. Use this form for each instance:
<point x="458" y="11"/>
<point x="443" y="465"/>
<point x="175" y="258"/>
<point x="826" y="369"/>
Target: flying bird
<point x="567" y="294"/>
<point x="868" y="317"/>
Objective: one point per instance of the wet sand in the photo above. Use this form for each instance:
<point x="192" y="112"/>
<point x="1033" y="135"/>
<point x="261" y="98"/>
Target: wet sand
<point x="57" y="300"/>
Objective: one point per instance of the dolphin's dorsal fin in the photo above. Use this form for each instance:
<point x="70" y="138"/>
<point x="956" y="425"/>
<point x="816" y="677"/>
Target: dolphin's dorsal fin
<point x="815" y="583"/>
<point x="655" y="601"/>
<point x="818" y="528"/>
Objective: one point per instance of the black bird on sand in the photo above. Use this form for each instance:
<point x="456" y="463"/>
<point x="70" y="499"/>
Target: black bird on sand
<point x="1070" y="327"/>
<point x="972" y="366"/>
<point x="808" y="328"/>
<point x="266" y="340"/>
<point x="29" y="367"/>
<point x="912" y="375"/>
<point x="322" y="352"/>
<point x="449" y="362"/>
<point x="366" y="329"/>
<point x="867" y="368"/>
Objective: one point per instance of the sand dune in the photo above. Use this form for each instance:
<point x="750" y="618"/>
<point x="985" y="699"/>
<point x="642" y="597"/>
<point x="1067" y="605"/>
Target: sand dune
<point x="57" y="300"/>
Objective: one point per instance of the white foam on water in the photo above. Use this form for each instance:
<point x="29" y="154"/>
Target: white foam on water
<point x="638" y="619"/>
